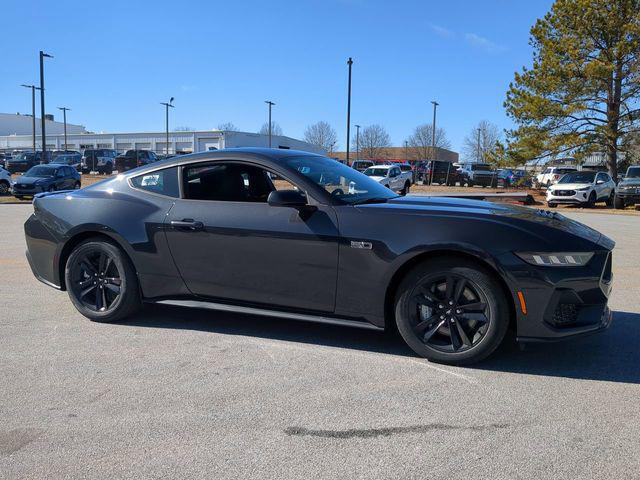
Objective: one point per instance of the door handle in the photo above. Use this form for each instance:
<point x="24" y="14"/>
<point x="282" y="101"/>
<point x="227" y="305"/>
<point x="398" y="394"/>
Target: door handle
<point x="187" y="224"/>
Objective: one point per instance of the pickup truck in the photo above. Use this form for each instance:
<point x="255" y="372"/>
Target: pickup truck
<point x="477" y="174"/>
<point x="391" y="176"/>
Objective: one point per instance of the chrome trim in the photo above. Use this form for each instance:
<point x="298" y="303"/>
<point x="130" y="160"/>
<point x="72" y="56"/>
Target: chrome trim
<point x="222" y="307"/>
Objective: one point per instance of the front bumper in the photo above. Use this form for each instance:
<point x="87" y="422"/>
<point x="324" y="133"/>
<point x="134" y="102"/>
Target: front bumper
<point x="577" y="198"/>
<point x="629" y="196"/>
<point x="26" y="192"/>
<point x="562" y="302"/>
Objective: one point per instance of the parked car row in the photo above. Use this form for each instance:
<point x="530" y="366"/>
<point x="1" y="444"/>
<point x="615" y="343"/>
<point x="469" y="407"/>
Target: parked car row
<point x="46" y="178"/>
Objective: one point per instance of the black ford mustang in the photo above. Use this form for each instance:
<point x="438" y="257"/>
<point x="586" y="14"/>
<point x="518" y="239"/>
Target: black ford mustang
<point x="296" y="235"/>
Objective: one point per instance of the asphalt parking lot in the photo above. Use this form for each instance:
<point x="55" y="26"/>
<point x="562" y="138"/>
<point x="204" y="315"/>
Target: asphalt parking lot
<point x="193" y="394"/>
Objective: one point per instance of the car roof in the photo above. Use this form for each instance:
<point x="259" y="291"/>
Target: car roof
<point x="274" y="155"/>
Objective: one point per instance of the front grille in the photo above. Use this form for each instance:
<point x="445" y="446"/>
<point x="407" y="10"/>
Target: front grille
<point x="564" y="193"/>
<point x="24" y="187"/>
<point x="565" y="314"/>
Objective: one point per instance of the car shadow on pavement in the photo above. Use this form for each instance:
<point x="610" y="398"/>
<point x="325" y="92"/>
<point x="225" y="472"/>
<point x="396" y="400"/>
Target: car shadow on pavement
<point x="612" y="356"/>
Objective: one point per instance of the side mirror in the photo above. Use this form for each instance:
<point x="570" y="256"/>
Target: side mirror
<point x="599" y="182"/>
<point x="287" y="198"/>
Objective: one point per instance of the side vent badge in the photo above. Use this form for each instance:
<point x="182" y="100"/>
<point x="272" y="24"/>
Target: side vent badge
<point x="362" y="245"/>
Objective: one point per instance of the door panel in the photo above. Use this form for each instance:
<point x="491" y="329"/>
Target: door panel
<point x="252" y="252"/>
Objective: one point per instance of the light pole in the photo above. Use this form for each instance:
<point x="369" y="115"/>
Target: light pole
<point x="33" y="113"/>
<point x="433" y="141"/>
<point x="406" y="151"/>
<point x="349" y="62"/>
<point x="64" y="116"/>
<point x="166" y="123"/>
<point x="42" y="111"/>
<point x="270" y="104"/>
<point x="357" y="142"/>
<point x="478" y="155"/>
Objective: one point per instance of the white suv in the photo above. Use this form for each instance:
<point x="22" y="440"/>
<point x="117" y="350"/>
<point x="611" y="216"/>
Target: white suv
<point x="5" y="182"/>
<point x="552" y="175"/>
<point x="582" y="188"/>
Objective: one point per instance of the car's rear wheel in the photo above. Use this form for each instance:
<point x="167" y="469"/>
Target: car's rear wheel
<point x="108" y="169"/>
<point x="4" y="187"/>
<point x="451" y="311"/>
<point x="101" y="281"/>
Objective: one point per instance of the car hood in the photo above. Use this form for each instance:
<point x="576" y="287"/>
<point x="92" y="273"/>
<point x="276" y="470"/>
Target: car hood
<point x="570" y="186"/>
<point x="377" y="178"/>
<point x="630" y="182"/>
<point x="513" y="214"/>
<point x="31" y="180"/>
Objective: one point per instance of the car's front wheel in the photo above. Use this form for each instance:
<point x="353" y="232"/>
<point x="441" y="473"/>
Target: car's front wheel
<point x="101" y="281"/>
<point x="4" y="187"/>
<point x="451" y="311"/>
<point x="618" y="203"/>
<point x="593" y="198"/>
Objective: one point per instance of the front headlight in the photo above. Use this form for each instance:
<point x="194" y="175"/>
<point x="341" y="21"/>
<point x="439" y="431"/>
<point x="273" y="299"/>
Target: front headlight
<point x="556" y="259"/>
<point x="583" y="189"/>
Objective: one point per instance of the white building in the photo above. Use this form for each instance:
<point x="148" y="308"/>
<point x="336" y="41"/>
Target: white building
<point x="17" y="124"/>
<point x="179" y="142"/>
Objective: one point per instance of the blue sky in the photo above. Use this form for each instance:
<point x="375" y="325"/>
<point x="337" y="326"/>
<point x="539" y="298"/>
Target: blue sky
<point x="115" y="61"/>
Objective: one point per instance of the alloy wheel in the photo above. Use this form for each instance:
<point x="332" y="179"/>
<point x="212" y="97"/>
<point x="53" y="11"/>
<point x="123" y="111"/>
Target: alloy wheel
<point x="96" y="281"/>
<point x="449" y="313"/>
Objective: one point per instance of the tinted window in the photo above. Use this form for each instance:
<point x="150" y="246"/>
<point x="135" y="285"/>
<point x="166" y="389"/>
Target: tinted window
<point x="633" y="172"/>
<point x="230" y="182"/>
<point x="164" y="182"/>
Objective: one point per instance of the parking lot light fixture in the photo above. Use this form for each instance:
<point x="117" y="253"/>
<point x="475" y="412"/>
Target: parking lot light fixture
<point x="433" y="141"/>
<point x="166" y="124"/>
<point x="349" y="63"/>
<point x="270" y="104"/>
<point x="64" y="117"/>
<point x="33" y="112"/>
<point x="42" y="110"/>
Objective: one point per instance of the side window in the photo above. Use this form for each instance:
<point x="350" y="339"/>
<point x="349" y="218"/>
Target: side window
<point x="164" y="182"/>
<point x="230" y="182"/>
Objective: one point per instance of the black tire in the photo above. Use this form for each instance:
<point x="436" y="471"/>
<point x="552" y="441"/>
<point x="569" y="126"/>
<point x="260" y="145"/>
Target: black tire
<point x="94" y="295"/>
<point x="4" y="187"/>
<point x="405" y="190"/>
<point x="618" y="203"/>
<point x="610" y="199"/>
<point x="468" y="344"/>
<point x="52" y="188"/>
<point x="552" y="205"/>
<point x="77" y="186"/>
<point x="593" y="198"/>
<point x="108" y="169"/>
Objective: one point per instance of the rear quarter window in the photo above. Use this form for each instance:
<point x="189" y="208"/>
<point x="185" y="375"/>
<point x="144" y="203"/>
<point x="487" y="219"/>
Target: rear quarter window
<point x="162" y="182"/>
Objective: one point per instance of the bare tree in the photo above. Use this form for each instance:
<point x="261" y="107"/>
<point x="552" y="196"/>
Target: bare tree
<point x="322" y="135"/>
<point x="374" y="139"/>
<point x="275" y="129"/>
<point x="227" y="127"/>
<point x="421" y="140"/>
<point x="481" y="142"/>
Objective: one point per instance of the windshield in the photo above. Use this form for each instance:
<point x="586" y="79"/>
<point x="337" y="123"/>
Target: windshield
<point x="23" y="157"/>
<point x="376" y="172"/>
<point x="633" y="172"/>
<point x="39" y="171"/>
<point x="480" y="167"/>
<point x="578" y="177"/>
<point x="342" y="182"/>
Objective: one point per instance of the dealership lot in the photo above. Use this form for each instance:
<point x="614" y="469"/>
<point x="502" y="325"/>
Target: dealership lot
<point x="193" y="394"/>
